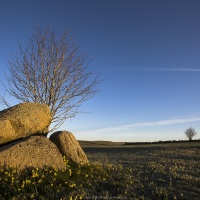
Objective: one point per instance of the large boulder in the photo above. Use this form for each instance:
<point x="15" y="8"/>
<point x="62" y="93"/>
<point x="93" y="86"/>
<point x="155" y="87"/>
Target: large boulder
<point x="24" y="120"/>
<point x="69" y="146"/>
<point x="34" y="151"/>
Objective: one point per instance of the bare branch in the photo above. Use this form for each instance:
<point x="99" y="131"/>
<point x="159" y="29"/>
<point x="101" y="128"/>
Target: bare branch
<point x="53" y="71"/>
<point x="3" y="101"/>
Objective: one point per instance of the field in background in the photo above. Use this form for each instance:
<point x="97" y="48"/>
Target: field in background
<point x="103" y="143"/>
<point x="156" y="171"/>
<point x="99" y="143"/>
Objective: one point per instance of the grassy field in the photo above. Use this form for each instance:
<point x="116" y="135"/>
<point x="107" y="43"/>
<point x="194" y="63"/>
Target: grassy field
<point x="154" y="171"/>
<point x="115" y="171"/>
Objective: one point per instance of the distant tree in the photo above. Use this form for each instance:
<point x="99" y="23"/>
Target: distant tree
<point x="51" y="69"/>
<point x="190" y="133"/>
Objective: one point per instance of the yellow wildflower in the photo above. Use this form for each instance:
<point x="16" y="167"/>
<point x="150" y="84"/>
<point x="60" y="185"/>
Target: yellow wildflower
<point x="39" y="181"/>
<point x="72" y="185"/>
<point x="23" y="184"/>
<point x="35" y="174"/>
<point x="65" y="160"/>
<point x="70" y="172"/>
<point x="13" y="179"/>
<point x="28" y="181"/>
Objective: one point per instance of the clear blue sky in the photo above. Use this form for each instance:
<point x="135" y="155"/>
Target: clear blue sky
<point x="147" y="51"/>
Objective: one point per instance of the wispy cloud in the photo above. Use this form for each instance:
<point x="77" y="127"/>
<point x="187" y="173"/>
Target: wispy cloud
<point x="171" y="69"/>
<point x="144" y="124"/>
<point x="157" y="69"/>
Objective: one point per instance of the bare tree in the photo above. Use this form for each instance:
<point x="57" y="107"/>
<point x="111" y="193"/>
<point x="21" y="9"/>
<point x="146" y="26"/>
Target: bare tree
<point x="51" y="70"/>
<point x="190" y="133"/>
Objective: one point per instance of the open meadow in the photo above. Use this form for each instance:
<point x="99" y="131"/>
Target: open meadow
<point x="153" y="171"/>
<point x="116" y="171"/>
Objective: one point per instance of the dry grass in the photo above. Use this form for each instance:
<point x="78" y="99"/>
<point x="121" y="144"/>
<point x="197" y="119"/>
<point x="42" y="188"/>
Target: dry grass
<point x="161" y="171"/>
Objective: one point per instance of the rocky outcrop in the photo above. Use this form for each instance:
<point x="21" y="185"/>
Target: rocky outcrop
<point x="23" y="141"/>
<point x="69" y="146"/>
<point x="24" y="120"/>
<point x="34" y="151"/>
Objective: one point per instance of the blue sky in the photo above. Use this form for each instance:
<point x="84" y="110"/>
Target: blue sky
<point x="147" y="51"/>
